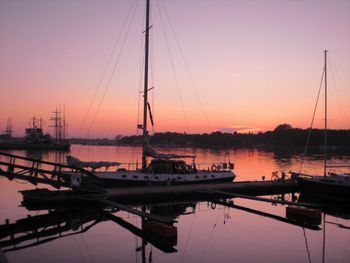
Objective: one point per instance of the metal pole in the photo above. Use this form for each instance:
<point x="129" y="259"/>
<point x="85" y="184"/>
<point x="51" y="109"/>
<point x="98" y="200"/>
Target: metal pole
<point x="325" y="113"/>
<point x="145" y="93"/>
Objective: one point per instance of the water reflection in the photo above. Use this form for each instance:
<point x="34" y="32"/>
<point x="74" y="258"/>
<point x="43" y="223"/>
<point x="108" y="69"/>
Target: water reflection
<point x="40" y="229"/>
<point x="62" y="222"/>
<point x="206" y="230"/>
<point x="53" y="156"/>
<point x="250" y="164"/>
<point x="337" y="209"/>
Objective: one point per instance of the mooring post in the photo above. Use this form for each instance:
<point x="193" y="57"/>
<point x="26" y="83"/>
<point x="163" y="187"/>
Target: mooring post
<point x="283" y="176"/>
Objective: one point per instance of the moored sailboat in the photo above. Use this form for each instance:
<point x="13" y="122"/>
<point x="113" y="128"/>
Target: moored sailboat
<point x="163" y="169"/>
<point x="331" y="185"/>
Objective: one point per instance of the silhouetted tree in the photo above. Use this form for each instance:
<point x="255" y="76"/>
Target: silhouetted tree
<point x="283" y="127"/>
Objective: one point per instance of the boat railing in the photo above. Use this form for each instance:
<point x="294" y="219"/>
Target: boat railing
<point x="215" y="167"/>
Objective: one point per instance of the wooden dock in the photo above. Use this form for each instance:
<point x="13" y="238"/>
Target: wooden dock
<point x="121" y="198"/>
<point x="252" y="188"/>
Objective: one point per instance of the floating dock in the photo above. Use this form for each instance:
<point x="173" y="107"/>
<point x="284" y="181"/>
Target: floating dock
<point x="252" y="188"/>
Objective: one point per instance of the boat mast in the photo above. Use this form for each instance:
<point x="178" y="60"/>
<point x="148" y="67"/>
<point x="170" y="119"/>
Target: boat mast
<point x="145" y="91"/>
<point x="325" y="113"/>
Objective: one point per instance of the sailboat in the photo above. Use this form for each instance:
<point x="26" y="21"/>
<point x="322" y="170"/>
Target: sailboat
<point x="163" y="169"/>
<point x="329" y="186"/>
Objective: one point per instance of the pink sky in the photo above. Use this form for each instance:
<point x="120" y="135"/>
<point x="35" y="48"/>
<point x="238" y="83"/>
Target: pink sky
<point x="255" y="64"/>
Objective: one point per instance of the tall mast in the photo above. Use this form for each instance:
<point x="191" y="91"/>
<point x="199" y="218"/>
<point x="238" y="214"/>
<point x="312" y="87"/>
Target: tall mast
<point x="325" y="113"/>
<point x="145" y="91"/>
<point x="64" y="122"/>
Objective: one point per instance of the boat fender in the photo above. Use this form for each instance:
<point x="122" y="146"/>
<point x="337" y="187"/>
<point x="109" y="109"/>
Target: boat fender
<point x="75" y="181"/>
<point x="213" y="168"/>
<point x="213" y="206"/>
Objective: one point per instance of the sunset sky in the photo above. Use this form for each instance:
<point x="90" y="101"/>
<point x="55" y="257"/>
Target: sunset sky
<point x="254" y="64"/>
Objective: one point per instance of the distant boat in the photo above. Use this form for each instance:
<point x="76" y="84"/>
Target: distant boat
<point x="35" y="139"/>
<point x="331" y="185"/>
<point x="164" y="169"/>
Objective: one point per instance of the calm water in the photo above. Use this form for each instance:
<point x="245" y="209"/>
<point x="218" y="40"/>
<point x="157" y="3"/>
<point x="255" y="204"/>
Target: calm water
<point x="204" y="233"/>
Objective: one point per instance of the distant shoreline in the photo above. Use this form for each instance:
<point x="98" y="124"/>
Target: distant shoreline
<point x="283" y="138"/>
<point x="266" y="148"/>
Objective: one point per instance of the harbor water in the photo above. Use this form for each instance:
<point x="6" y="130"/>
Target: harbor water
<point x="250" y="231"/>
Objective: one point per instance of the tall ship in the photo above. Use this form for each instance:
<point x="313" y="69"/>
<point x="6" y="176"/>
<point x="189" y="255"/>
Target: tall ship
<point x="35" y="138"/>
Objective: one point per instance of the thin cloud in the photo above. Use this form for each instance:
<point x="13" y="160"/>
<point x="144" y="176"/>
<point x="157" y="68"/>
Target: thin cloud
<point x="234" y="75"/>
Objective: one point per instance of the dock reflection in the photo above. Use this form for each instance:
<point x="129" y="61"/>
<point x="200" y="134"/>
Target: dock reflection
<point x="41" y="229"/>
<point x="61" y="222"/>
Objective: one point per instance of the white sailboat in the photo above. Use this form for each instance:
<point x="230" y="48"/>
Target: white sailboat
<point x="163" y="169"/>
<point x="331" y="186"/>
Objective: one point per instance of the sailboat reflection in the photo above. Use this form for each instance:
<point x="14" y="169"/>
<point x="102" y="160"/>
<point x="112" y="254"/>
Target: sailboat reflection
<point x="339" y="210"/>
<point x="336" y="209"/>
<point x="291" y="221"/>
<point x="63" y="222"/>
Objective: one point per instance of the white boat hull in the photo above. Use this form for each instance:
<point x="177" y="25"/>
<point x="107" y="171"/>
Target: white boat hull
<point x="138" y="178"/>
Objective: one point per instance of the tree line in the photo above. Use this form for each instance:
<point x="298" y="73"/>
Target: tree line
<point x="283" y="135"/>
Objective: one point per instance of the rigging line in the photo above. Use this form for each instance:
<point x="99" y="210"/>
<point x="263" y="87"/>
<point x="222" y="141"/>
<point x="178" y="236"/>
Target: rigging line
<point x="187" y="67"/>
<point x="173" y="67"/>
<point x="312" y="123"/>
<point x="324" y="239"/>
<point x="106" y="67"/>
<point x="139" y="89"/>
<point x="79" y="250"/>
<point x="188" y="237"/>
<point x="307" y="246"/>
<point x="136" y="238"/>
<point x="210" y="236"/>
<point x="87" y="247"/>
<point x="139" y="94"/>
<point x="343" y="117"/>
<point x="152" y="68"/>
<point x="114" y="69"/>
<point x="140" y="82"/>
<point x="346" y="251"/>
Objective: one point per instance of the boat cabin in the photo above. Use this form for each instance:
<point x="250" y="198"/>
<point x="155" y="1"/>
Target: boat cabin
<point x="36" y="135"/>
<point x="161" y="166"/>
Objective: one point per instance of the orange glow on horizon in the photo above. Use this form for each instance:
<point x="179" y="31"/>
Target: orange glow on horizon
<point x="253" y="66"/>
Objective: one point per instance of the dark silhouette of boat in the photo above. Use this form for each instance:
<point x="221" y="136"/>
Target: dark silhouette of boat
<point x="35" y="138"/>
<point x="331" y="185"/>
